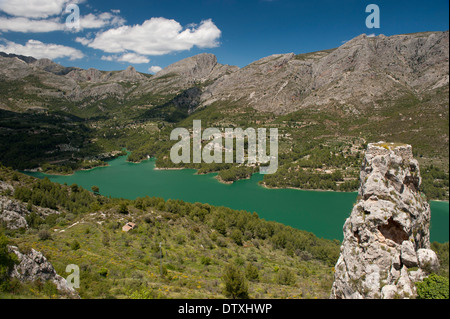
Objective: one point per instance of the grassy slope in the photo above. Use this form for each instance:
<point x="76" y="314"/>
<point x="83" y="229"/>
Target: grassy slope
<point x="198" y="242"/>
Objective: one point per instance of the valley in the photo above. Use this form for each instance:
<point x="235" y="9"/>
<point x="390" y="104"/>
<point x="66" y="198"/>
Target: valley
<point x="84" y="152"/>
<point x="321" y="144"/>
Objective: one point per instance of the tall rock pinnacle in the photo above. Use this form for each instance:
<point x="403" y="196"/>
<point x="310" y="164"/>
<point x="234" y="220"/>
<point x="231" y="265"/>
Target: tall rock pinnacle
<point x="386" y="247"/>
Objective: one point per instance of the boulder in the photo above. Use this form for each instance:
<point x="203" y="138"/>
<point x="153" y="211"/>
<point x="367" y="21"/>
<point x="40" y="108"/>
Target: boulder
<point x="33" y="266"/>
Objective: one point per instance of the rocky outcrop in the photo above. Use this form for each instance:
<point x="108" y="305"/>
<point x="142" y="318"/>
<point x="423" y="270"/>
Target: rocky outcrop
<point x="386" y="246"/>
<point x="13" y="213"/>
<point x="52" y="67"/>
<point x="33" y="266"/>
<point x="91" y="75"/>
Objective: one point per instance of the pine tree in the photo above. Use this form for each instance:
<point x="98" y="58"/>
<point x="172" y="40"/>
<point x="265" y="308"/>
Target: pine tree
<point x="236" y="285"/>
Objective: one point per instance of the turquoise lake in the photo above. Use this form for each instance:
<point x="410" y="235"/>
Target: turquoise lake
<point x="322" y="213"/>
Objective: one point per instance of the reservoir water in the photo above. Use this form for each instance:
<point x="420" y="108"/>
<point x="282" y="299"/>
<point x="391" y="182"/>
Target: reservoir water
<point x="322" y="213"/>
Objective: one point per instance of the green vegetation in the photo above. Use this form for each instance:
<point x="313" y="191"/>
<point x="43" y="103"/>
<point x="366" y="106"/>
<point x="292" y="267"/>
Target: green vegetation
<point x="442" y="251"/>
<point x="7" y="262"/>
<point x="433" y="287"/>
<point x="318" y="150"/>
<point x="211" y="252"/>
<point x="435" y="182"/>
<point x="30" y="140"/>
<point x="199" y="242"/>
<point x="236" y="286"/>
<point x="202" y="246"/>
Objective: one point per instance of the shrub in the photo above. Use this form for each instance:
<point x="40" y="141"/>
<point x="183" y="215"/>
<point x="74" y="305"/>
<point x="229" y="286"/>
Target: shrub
<point x="236" y="235"/>
<point x="123" y="208"/>
<point x="252" y="272"/>
<point x="44" y="235"/>
<point x="103" y="272"/>
<point x="7" y="261"/>
<point x="433" y="287"/>
<point x="236" y="286"/>
<point x="50" y="289"/>
<point x="95" y="190"/>
<point x="286" y="277"/>
<point x="75" y="245"/>
<point x="205" y="261"/>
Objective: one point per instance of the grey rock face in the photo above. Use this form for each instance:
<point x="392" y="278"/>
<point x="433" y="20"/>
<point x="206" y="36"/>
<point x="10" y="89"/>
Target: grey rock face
<point x="200" y="69"/>
<point x="387" y="235"/>
<point x="353" y="76"/>
<point x="33" y="266"/>
<point x="14" y="212"/>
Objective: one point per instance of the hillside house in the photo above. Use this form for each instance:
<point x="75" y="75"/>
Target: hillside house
<point x="128" y="227"/>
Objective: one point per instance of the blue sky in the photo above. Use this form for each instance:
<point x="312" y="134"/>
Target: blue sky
<point x="153" y="34"/>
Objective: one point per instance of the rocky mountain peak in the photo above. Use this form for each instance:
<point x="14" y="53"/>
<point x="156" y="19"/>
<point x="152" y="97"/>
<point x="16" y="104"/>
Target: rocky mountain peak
<point x="184" y="74"/>
<point x="130" y="71"/>
<point x="26" y="59"/>
<point x="196" y="67"/>
<point x="386" y="238"/>
<point x="128" y="75"/>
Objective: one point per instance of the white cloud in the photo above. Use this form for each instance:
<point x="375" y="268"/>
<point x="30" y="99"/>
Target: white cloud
<point x="154" y="69"/>
<point x="157" y="36"/>
<point x="92" y="21"/>
<point x="127" y="57"/>
<point x="30" y="26"/>
<point x="41" y="50"/>
<point x="83" y="41"/>
<point x="35" y="16"/>
<point x="33" y="8"/>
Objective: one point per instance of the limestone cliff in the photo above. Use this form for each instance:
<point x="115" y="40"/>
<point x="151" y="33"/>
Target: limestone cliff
<point x="386" y="238"/>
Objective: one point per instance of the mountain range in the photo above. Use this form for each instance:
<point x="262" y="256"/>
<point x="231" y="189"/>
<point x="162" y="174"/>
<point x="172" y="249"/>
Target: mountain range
<point x="357" y="77"/>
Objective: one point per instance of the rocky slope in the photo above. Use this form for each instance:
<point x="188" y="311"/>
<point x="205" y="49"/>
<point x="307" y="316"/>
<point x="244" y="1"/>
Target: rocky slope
<point x="13" y="213"/>
<point x="355" y="77"/>
<point x="33" y="266"/>
<point x="386" y="247"/>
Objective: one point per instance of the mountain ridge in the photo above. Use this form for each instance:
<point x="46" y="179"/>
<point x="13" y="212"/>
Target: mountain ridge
<point x="354" y="76"/>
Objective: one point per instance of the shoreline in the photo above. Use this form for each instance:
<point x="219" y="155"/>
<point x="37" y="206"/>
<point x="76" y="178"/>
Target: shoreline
<point x="39" y="170"/>
<point x="220" y="180"/>
<point x="439" y="201"/>
<point x="304" y="189"/>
